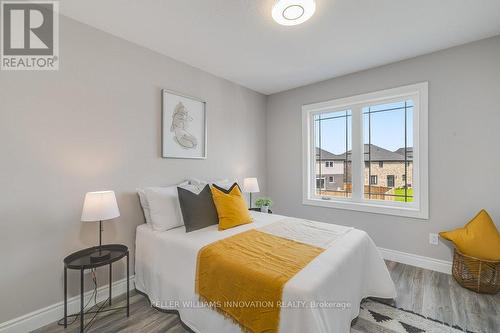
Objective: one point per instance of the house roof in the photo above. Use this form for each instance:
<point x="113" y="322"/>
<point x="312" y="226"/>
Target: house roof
<point x="380" y="154"/>
<point x="326" y="155"/>
<point x="377" y="154"/>
<point x="409" y="152"/>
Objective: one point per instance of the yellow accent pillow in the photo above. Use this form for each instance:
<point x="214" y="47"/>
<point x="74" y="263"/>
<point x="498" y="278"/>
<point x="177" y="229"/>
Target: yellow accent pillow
<point x="479" y="238"/>
<point x="231" y="207"/>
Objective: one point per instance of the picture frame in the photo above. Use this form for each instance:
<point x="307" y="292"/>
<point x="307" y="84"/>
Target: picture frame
<point x="184" y="126"/>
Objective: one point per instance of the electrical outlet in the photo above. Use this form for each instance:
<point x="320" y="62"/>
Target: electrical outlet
<point x="434" y="239"/>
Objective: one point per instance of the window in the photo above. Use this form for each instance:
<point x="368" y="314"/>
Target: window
<point x="320" y="183"/>
<point x="363" y="134"/>
<point x="332" y="138"/>
<point x="390" y="181"/>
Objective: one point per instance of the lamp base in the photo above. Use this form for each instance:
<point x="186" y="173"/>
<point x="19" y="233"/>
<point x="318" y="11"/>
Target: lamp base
<point x="100" y="255"/>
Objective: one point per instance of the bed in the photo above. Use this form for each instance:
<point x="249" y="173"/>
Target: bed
<point x="332" y="285"/>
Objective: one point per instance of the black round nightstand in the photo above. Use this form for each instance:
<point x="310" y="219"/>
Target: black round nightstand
<point x="84" y="259"/>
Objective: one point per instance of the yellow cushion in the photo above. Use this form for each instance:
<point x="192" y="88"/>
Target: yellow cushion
<point x="231" y="207"/>
<point x="479" y="238"/>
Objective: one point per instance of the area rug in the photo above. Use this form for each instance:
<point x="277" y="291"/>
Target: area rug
<point x="376" y="317"/>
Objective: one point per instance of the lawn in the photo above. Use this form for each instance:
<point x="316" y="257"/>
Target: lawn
<point x="401" y="191"/>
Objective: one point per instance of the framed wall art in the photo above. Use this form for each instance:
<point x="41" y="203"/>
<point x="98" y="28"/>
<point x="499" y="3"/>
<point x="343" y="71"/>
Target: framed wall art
<point x="184" y="126"/>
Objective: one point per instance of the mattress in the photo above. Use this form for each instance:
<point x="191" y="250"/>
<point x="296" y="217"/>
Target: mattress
<point x="322" y="297"/>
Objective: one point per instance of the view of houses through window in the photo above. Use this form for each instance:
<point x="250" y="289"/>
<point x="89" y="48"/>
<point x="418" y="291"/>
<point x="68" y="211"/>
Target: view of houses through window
<point x="388" y="152"/>
<point x="333" y="169"/>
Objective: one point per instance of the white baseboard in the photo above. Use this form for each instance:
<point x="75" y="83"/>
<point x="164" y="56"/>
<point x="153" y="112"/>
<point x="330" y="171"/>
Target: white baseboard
<point x="54" y="312"/>
<point x="437" y="265"/>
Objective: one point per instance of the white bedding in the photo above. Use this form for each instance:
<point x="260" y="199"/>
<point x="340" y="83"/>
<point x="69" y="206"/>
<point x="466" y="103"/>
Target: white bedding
<point x="349" y="270"/>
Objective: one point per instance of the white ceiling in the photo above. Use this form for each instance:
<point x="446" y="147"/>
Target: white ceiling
<point x="239" y="41"/>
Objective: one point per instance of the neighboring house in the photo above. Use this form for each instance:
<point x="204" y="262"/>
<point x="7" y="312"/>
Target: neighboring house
<point x="387" y="167"/>
<point x="330" y="171"/>
<point x="333" y="172"/>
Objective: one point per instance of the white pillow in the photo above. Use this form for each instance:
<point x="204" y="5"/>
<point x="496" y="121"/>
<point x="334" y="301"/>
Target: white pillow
<point x="144" y="204"/>
<point x="164" y="207"/>
<point x="223" y="183"/>
<point x="195" y="188"/>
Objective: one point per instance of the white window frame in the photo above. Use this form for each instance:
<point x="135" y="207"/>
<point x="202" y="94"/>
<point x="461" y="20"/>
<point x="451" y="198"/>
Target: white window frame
<point x="419" y="208"/>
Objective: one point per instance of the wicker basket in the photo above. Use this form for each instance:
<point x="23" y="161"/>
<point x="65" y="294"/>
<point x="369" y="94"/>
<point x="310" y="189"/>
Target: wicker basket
<point x="482" y="276"/>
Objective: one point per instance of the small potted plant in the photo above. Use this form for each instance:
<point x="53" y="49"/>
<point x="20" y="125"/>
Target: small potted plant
<point x="264" y="204"/>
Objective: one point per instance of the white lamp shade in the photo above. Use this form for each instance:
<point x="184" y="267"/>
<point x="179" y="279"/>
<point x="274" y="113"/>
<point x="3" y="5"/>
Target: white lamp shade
<point x="100" y="206"/>
<point x="250" y="185"/>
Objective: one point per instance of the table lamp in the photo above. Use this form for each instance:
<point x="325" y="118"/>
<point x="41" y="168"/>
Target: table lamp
<point x="250" y="185"/>
<point x="100" y="206"/>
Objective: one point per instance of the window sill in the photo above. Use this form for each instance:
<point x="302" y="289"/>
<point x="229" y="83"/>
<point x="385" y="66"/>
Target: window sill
<point x="376" y="208"/>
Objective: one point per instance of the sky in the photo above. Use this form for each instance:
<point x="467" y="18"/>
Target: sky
<point x="387" y="128"/>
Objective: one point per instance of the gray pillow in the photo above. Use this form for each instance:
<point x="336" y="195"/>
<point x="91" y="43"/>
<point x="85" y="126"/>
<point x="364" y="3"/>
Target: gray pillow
<point x="198" y="210"/>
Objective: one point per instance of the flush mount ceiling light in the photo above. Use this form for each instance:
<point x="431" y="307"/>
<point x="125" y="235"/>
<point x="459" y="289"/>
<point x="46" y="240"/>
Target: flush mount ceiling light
<point x="293" y="12"/>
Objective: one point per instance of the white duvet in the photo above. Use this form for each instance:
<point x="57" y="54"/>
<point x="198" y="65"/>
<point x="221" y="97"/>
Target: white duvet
<point x="322" y="297"/>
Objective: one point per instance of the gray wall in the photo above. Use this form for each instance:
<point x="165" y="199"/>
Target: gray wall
<point x="95" y="124"/>
<point x="464" y="132"/>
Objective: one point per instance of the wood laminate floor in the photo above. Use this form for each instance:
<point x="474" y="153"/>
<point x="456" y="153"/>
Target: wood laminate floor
<point x="432" y="294"/>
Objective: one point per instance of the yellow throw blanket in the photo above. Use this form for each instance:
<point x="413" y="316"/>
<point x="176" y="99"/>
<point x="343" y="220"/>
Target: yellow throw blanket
<point x="243" y="276"/>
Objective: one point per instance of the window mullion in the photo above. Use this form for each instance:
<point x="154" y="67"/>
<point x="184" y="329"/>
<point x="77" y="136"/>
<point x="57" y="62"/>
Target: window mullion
<point x="357" y="153"/>
<point x="312" y="162"/>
